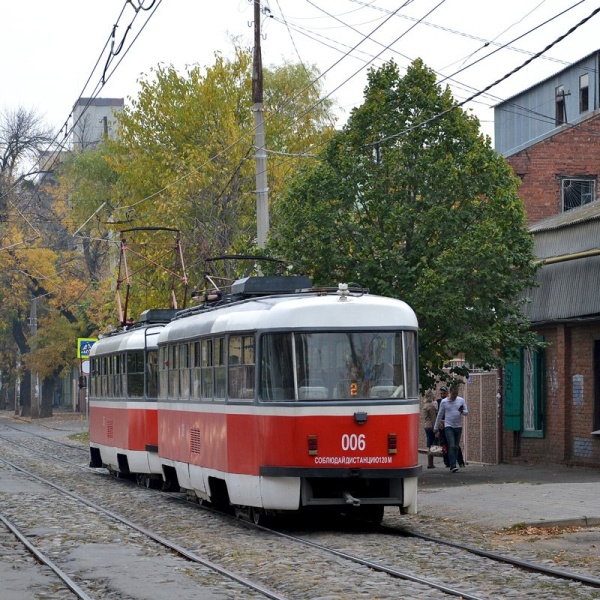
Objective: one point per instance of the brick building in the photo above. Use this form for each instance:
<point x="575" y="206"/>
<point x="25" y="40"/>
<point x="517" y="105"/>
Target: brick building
<point x="550" y="135"/>
<point x="552" y="398"/>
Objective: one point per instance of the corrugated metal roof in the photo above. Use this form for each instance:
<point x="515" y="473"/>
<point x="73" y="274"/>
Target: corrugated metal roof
<point x="553" y="244"/>
<point x="568" y="286"/>
<point x="567" y="290"/>
<point x="587" y="212"/>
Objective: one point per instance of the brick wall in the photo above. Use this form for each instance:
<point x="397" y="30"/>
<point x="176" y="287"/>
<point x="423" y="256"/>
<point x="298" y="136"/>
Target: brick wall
<point x="568" y="401"/>
<point x="574" y="151"/>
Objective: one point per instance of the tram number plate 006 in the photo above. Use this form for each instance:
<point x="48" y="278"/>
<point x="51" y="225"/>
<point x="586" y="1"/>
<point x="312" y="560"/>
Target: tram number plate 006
<point x="354" y="441"/>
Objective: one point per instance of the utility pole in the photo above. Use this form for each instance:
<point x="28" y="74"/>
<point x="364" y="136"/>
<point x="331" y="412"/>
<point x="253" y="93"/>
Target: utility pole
<point x="35" y="388"/>
<point x="260" y="157"/>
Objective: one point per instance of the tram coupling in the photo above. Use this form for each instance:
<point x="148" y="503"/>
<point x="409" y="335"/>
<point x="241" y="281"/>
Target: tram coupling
<point x="350" y="499"/>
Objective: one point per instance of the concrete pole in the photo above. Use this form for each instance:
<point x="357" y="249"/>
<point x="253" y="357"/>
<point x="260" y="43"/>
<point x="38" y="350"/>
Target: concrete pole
<point x="260" y="157"/>
<point x="35" y="387"/>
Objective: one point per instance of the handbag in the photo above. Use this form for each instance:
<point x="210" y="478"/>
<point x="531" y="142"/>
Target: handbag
<point x="435" y="450"/>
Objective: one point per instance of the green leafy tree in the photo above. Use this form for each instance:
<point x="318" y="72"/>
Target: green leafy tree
<point x="184" y="159"/>
<point x="411" y="201"/>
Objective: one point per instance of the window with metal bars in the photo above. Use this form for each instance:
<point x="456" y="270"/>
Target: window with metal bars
<point x="576" y="192"/>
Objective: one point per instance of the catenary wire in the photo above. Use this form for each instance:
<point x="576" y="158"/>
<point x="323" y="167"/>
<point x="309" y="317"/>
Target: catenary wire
<point x="235" y="142"/>
<point x="173" y="183"/>
<point x="491" y="85"/>
<point x="54" y="156"/>
<point x="97" y="88"/>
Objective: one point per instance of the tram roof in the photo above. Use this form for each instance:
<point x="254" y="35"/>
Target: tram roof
<point x="294" y="312"/>
<point x="132" y="339"/>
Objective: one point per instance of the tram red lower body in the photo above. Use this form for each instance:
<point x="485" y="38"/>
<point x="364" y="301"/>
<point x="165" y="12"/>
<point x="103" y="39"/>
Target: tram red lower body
<point x="128" y="428"/>
<point x="243" y="443"/>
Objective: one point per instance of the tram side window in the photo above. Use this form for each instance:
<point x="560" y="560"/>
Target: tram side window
<point x="173" y="363"/>
<point x="152" y="367"/>
<point x="184" y="371"/>
<point x="276" y="368"/>
<point x="114" y="377"/>
<point x="206" y="369"/>
<point x="123" y="375"/>
<point x="117" y="375"/>
<point x="163" y="370"/>
<point x="104" y="384"/>
<point x="109" y="376"/>
<point x="135" y="374"/>
<point x="94" y="377"/>
<point x="195" y="362"/>
<point x="241" y="367"/>
<point x="220" y="368"/>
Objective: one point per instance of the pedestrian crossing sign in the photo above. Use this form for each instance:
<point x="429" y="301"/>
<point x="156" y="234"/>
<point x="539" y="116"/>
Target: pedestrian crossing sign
<point x="84" y="345"/>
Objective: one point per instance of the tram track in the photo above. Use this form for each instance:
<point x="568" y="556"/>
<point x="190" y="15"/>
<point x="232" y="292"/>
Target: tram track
<point x="376" y="565"/>
<point x="175" y="547"/>
<point x="170" y="545"/>
<point x="500" y="558"/>
<point x="13" y="533"/>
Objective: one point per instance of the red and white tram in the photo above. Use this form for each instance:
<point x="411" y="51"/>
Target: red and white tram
<point x="275" y="398"/>
<point x="123" y="399"/>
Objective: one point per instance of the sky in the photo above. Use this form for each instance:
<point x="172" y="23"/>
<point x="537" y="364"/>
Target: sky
<point x="51" y="53"/>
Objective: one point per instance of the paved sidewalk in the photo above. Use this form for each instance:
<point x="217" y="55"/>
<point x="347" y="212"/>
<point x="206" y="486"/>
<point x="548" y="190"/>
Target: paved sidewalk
<point x="499" y="496"/>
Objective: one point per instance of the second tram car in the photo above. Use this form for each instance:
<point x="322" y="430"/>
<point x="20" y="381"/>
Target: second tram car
<point x="123" y="396"/>
<point x="281" y="398"/>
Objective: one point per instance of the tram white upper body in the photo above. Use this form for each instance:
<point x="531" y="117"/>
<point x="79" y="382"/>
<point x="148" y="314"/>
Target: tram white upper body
<point x="296" y="312"/>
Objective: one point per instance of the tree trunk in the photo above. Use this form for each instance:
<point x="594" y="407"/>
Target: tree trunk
<point x="48" y="387"/>
<point x="25" y="399"/>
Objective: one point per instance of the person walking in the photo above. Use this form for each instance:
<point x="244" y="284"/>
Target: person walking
<point x="443" y="394"/>
<point x="442" y="438"/>
<point x="429" y="412"/>
<point x="452" y="410"/>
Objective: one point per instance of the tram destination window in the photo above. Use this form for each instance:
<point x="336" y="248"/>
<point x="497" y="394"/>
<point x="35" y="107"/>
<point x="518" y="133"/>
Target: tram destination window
<point x="324" y="366"/>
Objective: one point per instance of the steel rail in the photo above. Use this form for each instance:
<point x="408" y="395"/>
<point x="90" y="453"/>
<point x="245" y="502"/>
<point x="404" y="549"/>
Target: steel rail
<point x="517" y="562"/>
<point x="152" y="535"/>
<point x="39" y="555"/>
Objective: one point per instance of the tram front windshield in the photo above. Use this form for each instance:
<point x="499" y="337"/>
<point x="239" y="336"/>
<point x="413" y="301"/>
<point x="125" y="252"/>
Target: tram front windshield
<point x="338" y="366"/>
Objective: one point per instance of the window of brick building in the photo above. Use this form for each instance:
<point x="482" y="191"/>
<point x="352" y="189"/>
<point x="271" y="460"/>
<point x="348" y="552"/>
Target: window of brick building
<point x="561" y="108"/>
<point x="584" y="93"/>
<point x="577" y="191"/>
